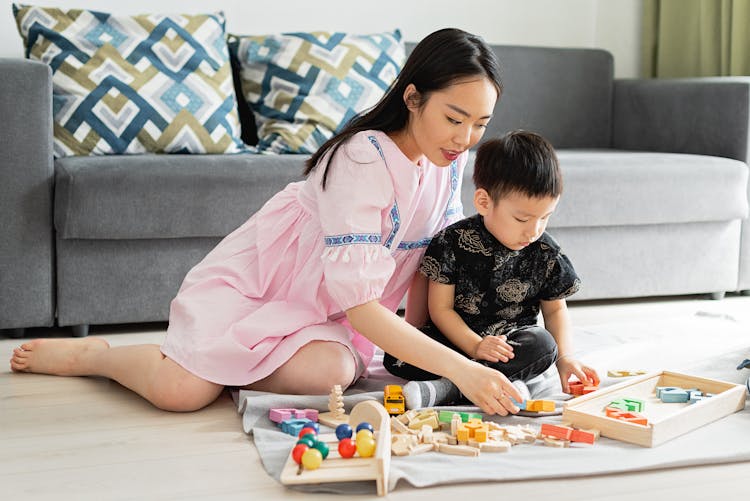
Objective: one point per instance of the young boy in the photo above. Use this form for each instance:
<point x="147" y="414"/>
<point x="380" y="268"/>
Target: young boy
<point x="490" y="275"/>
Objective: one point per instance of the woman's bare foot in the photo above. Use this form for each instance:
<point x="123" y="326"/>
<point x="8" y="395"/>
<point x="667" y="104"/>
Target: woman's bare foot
<point x="59" y="357"/>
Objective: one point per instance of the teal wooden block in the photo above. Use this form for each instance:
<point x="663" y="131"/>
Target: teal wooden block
<point x="674" y="395"/>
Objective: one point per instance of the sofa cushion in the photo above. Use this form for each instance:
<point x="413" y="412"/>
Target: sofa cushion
<point x="619" y="188"/>
<point x="302" y="87"/>
<point x="135" y="84"/>
<point x="165" y="196"/>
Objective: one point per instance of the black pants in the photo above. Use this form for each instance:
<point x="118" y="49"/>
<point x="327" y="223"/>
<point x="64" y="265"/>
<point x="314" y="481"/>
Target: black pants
<point x="534" y="348"/>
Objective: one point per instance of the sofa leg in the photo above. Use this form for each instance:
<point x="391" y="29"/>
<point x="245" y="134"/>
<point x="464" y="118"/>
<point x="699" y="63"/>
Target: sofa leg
<point x="14" y="333"/>
<point x="717" y="296"/>
<point x="80" y="330"/>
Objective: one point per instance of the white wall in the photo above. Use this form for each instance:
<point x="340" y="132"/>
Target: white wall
<point x="614" y="26"/>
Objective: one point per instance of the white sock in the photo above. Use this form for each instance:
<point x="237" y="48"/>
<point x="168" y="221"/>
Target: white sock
<point x="522" y="389"/>
<point x="419" y="394"/>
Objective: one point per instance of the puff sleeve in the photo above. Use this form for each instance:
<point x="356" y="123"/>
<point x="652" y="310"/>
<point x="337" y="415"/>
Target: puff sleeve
<point x="561" y="279"/>
<point x="353" y="206"/>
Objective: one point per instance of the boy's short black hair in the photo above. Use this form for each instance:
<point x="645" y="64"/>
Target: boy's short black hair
<point x="521" y="162"/>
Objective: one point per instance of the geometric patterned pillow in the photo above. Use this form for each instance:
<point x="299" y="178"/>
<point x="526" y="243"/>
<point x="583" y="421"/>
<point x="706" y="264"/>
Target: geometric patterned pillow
<point x="304" y="87"/>
<point x="135" y="84"/>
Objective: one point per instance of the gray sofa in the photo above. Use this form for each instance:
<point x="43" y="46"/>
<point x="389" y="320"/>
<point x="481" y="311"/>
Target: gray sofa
<point x="655" y="199"/>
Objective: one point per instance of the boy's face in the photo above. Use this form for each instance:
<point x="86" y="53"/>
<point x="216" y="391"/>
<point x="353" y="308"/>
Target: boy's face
<point x="515" y="220"/>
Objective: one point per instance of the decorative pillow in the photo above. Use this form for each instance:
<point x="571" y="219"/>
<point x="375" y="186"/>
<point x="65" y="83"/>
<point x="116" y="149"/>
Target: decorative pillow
<point x="303" y="87"/>
<point x="135" y="84"/>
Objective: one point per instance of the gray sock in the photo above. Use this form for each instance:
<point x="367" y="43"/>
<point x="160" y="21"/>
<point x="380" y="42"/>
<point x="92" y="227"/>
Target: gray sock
<point x="419" y="394"/>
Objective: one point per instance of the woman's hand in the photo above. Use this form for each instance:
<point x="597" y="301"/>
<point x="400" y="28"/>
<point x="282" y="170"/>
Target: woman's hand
<point x="487" y="388"/>
<point x="567" y="367"/>
<point x="493" y="349"/>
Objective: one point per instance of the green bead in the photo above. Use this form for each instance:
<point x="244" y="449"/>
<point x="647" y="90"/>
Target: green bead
<point x="322" y="447"/>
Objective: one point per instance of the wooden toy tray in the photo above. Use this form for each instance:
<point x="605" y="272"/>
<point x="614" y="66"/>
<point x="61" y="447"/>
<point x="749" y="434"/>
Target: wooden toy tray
<point x="665" y="420"/>
<point x="337" y="469"/>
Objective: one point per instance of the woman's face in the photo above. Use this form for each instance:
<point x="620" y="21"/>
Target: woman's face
<point x="449" y="121"/>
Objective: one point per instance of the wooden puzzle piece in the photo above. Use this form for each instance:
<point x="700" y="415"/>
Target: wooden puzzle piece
<point x="625" y="373"/>
<point x="540" y="405"/>
<point x="447" y="416"/>
<point x="294" y="426"/>
<point x="628" y="416"/>
<point x="279" y="415"/>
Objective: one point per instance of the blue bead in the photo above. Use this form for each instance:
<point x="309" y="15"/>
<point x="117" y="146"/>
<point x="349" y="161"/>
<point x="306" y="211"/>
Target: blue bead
<point x="365" y="426"/>
<point x="343" y="431"/>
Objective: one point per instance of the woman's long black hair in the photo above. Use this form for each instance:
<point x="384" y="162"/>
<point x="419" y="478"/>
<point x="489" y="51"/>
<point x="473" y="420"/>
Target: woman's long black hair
<point x="439" y="60"/>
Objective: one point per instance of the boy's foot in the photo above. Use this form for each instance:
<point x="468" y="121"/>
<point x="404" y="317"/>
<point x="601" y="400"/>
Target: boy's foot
<point x="419" y="394"/>
<point x="522" y="389"/>
<point x="59" y="357"/>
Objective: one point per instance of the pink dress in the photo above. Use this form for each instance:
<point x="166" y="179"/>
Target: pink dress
<point x="287" y="275"/>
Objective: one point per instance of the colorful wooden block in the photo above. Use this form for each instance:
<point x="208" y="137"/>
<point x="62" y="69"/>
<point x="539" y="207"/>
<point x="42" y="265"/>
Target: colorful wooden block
<point x="424" y="418"/>
<point x="575" y="387"/>
<point x="556" y="431"/>
<point x="583" y="436"/>
<point x="673" y="395"/>
<point x="294" y="426"/>
<point x="447" y="416"/>
<point x="540" y="405"/>
<point x="279" y="415"/>
<point x="629" y="416"/>
<point x="520" y="405"/>
<point x="628" y="404"/>
<point x="625" y="373"/>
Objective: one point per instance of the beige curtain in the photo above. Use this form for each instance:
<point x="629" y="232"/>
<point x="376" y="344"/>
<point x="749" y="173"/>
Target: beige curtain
<point x="690" y="38"/>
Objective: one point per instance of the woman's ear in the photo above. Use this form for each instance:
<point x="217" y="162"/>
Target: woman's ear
<point x="412" y="97"/>
<point x="482" y="201"/>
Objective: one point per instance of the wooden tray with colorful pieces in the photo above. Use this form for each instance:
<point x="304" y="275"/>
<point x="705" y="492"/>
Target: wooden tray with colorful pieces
<point x="665" y="421"/>
<point x="335" y="468"/>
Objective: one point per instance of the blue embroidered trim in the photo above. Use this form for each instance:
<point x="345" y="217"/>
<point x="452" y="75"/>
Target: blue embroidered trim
<point x="450" y="211"/>
<point x="377" y="146"/>
<point x="396" y="223"/>
<point x="418" y="244"/>
<point x="352" y="238"/>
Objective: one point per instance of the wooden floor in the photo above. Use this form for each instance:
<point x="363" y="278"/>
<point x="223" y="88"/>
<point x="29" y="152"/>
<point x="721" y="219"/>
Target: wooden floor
<point x="86" y="438"/>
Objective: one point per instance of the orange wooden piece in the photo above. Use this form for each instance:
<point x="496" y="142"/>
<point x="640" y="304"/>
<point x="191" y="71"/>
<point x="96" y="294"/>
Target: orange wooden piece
<point x="582" y="436"/>
<point x="630" y="417"/>
<point x="555" y="431"/>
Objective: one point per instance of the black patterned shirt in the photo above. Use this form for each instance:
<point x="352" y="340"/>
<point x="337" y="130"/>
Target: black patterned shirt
<point x="497" y="289"/>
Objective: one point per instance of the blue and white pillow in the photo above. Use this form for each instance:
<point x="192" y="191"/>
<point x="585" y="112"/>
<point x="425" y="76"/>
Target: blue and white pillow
<point x="135" y="84"/>
<point x="303" y="87"/>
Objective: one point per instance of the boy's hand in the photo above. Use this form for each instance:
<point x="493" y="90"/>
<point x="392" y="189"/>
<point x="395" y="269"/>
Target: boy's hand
<point x="567" y="366"/>
<point x="493" y="349"/>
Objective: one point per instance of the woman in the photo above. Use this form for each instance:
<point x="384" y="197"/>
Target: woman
<point x="295" y="299"/>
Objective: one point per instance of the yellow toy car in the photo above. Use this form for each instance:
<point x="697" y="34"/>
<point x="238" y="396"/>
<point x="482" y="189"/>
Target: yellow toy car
<point x="393" y="399"/>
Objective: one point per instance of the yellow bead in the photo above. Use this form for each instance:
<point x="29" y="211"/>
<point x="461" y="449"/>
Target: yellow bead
<point x="364" y="433"/>
<point x="365" y="445"/>
<point x="311" y="459"/>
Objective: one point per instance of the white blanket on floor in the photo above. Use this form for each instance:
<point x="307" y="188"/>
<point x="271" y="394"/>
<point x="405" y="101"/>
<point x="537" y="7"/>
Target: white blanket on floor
<point x="699" y="344"/>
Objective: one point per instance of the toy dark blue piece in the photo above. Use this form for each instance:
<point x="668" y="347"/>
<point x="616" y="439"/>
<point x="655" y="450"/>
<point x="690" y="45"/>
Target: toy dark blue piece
<point x="343" y="431"/>
<point x="365" y="426"/>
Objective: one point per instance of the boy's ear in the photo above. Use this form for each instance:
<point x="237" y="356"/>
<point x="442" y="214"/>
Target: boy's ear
<point x="482" y="201"/>
<point x="412" y="97"/>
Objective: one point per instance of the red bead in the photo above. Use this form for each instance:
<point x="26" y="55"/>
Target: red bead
<point x="307" y="430"/>
<point x="347" y="448"/>
<point x="297" y="452"/>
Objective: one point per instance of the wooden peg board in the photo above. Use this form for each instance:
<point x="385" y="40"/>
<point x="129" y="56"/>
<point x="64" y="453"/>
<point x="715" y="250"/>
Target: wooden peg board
<point x="337" y="469"/>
